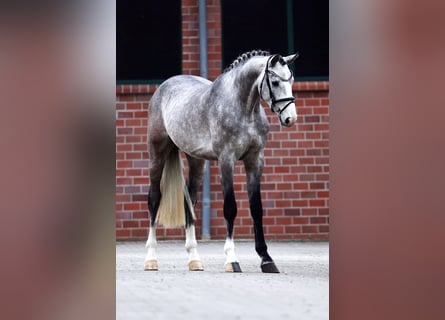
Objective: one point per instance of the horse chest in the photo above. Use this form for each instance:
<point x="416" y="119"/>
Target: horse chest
<point x="240" y="140"/>
<point x="255" y="137"/>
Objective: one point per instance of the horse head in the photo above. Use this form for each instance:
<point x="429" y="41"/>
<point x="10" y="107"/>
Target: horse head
<point x="276" y="88"/>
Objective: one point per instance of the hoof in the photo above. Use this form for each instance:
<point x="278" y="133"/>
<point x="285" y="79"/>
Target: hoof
<point x="151" y="265"/>
<point x="195" y="265"/>
<point x="269" y="267"/>
<point x="232" y="267"/>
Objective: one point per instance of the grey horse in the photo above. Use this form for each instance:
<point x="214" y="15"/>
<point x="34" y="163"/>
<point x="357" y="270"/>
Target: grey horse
<point x="222" y="121"/>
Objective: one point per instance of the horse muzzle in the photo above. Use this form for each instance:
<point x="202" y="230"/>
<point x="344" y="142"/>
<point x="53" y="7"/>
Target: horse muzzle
<point x="287" y="118"/>
<point x="288" y="121"/>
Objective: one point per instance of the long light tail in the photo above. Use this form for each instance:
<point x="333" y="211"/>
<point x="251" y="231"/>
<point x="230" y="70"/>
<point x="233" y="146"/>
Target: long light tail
<point x="171" y="211"/>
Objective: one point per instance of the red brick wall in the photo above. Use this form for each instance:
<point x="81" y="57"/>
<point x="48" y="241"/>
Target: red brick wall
<point x="214" y="50"/>
<point x="190" y="38"/>
<point x="295" y="186"/>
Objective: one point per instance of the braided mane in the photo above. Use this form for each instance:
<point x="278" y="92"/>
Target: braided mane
<point x="244" y="57"/>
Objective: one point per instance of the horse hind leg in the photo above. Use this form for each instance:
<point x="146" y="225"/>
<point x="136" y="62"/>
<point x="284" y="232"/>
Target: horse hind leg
<point x="154" y="199"/>
<point x="151" y="261"/>
<point x="196" y="172"/>
<point x="158" y="156"/>
<point x="194" y="261"/>
<point x="191" y="245"/>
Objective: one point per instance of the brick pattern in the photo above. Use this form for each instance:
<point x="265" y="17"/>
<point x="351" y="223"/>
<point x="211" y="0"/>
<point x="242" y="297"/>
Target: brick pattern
<point x="295" y="187"/>
<point x="190" y="37"/>
<point x="214" y="47"/>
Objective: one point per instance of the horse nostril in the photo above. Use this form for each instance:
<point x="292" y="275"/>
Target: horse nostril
<point x="289" y="121"/>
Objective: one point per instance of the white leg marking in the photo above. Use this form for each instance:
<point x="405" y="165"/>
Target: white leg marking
<point x="151" y="245"/>
<point x="191" y="247"/>
<point x="229" y="249"/>
<point x="191" y="244"/>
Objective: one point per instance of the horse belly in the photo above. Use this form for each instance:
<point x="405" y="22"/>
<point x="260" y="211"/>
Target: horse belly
<point x="191" y="137"/>
<point x="195" y="147"/>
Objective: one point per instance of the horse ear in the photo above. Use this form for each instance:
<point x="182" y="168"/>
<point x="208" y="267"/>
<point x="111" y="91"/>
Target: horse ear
<point x="291" y="58"/>
<point x="274" y="60"/>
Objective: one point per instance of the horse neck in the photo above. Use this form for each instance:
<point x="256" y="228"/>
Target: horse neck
<point x="246" y="80"/>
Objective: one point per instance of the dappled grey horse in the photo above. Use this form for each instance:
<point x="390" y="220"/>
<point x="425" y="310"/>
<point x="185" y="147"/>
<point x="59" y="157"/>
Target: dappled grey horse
<point x="222" y="121"/>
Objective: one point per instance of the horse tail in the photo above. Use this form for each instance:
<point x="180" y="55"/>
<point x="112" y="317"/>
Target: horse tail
<point x="171" y="211"/>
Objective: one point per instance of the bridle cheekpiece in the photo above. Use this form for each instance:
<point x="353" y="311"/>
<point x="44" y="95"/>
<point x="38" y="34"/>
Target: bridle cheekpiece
<point x="289" y="100"/>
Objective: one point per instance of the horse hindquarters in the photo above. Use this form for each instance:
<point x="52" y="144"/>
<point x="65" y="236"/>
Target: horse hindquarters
<point x="166" y="199"/>
<point x="175" y="208"/>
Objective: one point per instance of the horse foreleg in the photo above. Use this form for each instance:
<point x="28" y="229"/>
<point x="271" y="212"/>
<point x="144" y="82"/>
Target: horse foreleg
<point x="254" y="171"/>
<point x="232" y="263"/>
<point x="230" y="211"/>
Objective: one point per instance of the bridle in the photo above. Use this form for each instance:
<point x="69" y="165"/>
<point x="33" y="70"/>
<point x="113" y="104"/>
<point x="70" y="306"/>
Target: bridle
<point x="289" y="100"/>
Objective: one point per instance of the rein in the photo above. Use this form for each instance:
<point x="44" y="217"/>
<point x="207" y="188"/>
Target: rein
<point x="289" y="100"/>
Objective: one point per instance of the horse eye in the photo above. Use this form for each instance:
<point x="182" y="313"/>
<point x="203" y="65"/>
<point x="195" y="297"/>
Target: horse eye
<point x="275" y="83"/>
